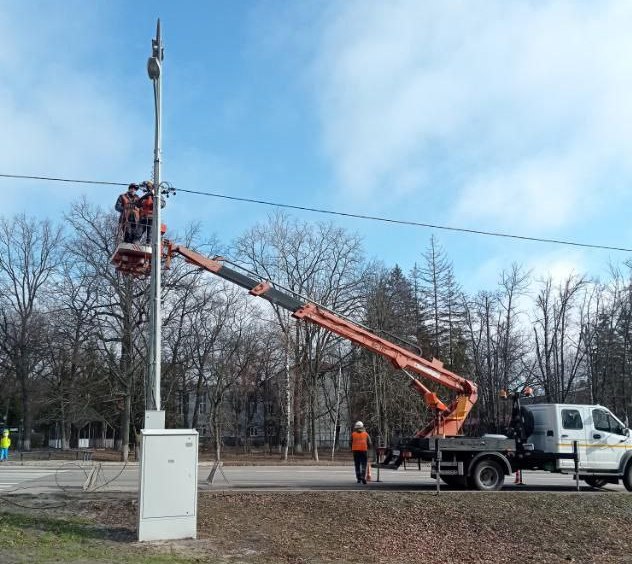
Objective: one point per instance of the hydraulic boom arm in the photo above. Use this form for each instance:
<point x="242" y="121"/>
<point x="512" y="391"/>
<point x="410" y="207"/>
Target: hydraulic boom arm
<point x="448" y="419"/>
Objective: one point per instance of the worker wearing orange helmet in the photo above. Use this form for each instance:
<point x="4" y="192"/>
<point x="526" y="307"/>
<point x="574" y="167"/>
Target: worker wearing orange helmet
<point x="360" y="445"/>
<point x="126" y="205"/>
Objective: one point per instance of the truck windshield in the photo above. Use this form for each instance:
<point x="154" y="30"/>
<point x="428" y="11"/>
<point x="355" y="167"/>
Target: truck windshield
<point x="604" y="421"/>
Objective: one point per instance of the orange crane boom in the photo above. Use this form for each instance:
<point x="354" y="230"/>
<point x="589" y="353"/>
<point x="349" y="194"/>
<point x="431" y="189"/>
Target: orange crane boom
<point x="448" y="419"/>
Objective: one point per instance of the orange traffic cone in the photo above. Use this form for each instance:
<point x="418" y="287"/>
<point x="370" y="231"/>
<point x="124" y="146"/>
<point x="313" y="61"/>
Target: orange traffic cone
<point x="368" y="472"/>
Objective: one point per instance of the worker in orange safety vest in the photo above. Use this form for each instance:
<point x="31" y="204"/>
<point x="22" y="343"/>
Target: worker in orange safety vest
<point x="126" y="205"/>
<point x="360" y="445"/>
<point x="146" y="207"/>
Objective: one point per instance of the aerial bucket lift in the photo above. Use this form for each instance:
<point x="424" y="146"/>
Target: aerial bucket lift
<point x="133" y="259"/>
<point x="131" y="256"/>
<point x="448" y="418"/>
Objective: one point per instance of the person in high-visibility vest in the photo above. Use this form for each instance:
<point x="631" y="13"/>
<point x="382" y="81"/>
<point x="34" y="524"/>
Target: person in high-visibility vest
<point x="360" y="445"/>
<point x="126" y="205"/>
<point x="5" y="443"/>
<point x="146" y="207"/>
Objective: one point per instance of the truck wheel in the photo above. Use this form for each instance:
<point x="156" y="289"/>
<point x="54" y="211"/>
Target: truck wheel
<point x="627" y="477"/>
<point x="488" y="476"/>
<point x="594" y="482"/>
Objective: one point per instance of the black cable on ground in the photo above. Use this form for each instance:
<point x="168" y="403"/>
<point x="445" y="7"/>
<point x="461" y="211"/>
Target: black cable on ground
<point x="25" y="486"/>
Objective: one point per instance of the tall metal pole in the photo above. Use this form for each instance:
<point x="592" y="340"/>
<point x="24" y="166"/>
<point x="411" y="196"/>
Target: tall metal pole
<point x="154" y="69"/>
<point x="162" y="517"/>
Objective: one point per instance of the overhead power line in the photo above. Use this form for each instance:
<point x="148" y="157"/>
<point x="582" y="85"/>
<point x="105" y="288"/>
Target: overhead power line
<point x="345" y="214"/>
<point x="69" y="180"/>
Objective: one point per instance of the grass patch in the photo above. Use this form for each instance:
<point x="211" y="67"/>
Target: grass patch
<point x="40" y="538"/>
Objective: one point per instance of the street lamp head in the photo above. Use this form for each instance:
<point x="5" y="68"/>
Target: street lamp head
<point x="153" y="68"/>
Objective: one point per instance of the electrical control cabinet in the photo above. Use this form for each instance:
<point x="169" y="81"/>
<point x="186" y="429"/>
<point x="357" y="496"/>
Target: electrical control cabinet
<point x="168" y="484"/>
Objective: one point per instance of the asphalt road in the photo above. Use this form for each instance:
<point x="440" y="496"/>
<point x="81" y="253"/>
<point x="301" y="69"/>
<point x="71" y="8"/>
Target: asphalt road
<point x="115" y="477"/>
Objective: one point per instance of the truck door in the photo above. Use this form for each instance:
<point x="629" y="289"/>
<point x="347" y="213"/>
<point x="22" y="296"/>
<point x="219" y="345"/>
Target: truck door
<point x="606" y="440"/>
<point x="572" y="429"/>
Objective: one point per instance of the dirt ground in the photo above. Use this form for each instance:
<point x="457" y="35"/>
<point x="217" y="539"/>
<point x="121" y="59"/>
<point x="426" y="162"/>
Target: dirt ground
<point x="362" y="526"/>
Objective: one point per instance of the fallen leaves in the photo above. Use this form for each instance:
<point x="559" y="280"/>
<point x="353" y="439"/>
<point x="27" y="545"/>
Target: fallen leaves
<point x="405" y="527"/>
<point x="370" y="526"/>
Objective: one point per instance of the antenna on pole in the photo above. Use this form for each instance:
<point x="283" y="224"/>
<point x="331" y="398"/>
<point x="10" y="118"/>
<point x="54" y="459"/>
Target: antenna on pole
<point x="157" y="53"/>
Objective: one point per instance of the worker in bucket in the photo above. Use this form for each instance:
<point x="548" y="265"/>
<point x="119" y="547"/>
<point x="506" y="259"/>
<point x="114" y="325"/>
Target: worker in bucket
<point x="146" y="206"/>
<point x="5" y="443"/>
<point x="360" y="445"/>
<point x="126" y="205"/>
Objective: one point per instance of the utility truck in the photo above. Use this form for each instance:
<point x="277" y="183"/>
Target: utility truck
<point x="587" y="441"/>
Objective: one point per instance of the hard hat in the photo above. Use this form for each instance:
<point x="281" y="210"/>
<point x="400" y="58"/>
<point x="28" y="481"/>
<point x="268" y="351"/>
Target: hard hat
<point x="358" y="425"/>
<point x="5" y="432"/>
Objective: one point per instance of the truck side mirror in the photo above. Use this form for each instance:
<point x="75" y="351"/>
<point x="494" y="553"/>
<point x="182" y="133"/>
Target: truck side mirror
<point x="626" y="432"/>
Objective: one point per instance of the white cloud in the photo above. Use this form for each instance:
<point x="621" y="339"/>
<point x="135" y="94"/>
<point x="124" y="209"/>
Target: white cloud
<point x="539" y="192"/>
<point x="518" y="112"/>
<point x="61" y="115"/>
<point x="558" y="265"/>
<point x="538" y="262"/>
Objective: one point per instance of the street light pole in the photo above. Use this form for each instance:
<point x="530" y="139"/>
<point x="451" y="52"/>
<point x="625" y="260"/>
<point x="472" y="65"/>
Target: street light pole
<point x="154" y="70"/>
<point x="160" y="516"/>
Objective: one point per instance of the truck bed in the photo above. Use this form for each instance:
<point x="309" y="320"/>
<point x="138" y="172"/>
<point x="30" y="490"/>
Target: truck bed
<point x="425" y="448"/>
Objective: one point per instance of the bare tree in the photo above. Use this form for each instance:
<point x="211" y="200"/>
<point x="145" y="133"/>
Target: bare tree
<point x="558" y="336"/>
<point x="29" y="257"/>
<point x="228" y="355"/>
<point x="607" y="338"/>
<point x="322" y="263"/>
<point x="497" y="346"/>
<point x="120" y="309"/>
<point x="383" y="401"/>
<point x="70" y="338"/>
<point x="442" y="303"/>
<point x="185" y="293"/>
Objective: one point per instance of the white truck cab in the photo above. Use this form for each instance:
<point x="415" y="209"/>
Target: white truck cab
<point x="603" y="441"/>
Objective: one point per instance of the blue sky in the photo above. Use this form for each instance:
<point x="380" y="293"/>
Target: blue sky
<point x="499" y="116"/>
